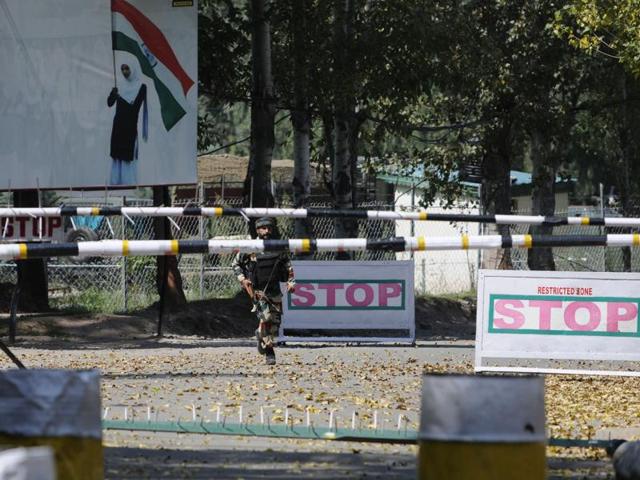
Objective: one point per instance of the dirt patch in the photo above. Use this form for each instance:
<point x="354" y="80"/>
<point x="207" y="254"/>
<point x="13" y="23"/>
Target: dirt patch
<point x="436" y="318"/>
<point x="6" y="291"/>
<point x="223" y="317"/>
<point x="444" y="317"/>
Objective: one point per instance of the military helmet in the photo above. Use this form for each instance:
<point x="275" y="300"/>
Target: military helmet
<point x="265" y="222"/>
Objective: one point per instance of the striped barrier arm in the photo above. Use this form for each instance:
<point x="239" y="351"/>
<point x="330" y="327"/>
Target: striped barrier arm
<point x="119" y="248"/>
<point x="8" y="212"/>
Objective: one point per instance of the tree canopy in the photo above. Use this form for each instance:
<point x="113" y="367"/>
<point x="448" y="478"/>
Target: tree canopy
<point x="605" y="27"/>
<point x="433" y="86"/>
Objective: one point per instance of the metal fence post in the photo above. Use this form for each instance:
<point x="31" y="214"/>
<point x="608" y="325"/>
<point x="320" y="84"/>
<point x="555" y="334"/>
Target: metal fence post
<point x="603" y="229"/>
<point x="412" y="226"/>
<point x="123" y="273"/>
<point x="13" y="314"/>
<point x="200" y="197"/>
<point x="423" y="265"/>
<point x="479" y="252"/>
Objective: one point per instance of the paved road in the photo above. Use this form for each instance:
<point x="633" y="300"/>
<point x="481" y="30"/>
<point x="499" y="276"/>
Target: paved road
<point x="171" y="375"/>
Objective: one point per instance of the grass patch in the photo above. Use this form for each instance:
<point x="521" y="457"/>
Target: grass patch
<point x="91" y="300"/>
<point x="454" y="297"/>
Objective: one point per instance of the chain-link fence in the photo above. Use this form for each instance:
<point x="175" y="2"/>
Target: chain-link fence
<point x="125" y="284"/>
<point x="590" y="259"/>
<point x="456" y="271"/>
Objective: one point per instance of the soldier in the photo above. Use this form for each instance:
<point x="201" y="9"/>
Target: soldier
<point x="260" y="276"/>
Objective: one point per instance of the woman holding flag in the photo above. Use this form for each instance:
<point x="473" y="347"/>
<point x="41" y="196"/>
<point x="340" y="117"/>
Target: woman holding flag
<point x="131" y="97"/>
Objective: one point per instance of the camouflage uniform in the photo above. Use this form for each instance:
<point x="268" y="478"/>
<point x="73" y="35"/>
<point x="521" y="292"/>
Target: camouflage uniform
<point x="265" y="270"/>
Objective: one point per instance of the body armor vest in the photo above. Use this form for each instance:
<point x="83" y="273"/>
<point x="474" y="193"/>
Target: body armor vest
<point x="267" y="271"/>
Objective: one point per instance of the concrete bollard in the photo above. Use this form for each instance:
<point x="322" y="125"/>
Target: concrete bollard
<point x="55" y="408"/>
<point x="482" y="428"/>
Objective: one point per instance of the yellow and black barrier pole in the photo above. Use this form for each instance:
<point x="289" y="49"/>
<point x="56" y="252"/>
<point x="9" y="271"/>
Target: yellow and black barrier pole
<point x="482" y="428"/>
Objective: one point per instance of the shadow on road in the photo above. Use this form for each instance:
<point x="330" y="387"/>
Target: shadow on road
<point x="134" y="463"/>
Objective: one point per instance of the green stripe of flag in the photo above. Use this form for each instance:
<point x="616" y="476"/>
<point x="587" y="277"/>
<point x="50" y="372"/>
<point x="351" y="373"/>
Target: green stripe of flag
<point x="170" y="109"/>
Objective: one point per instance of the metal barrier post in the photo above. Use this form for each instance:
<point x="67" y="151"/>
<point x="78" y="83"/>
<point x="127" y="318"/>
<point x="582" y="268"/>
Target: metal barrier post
<point x="200" y="198"/>
<point x="482" y="428"/>
<point x="123" y="274"/>
<point x="13" y="316"/>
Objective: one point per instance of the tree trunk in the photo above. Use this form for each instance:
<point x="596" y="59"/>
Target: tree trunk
<point x="343" y="182"/>
<point x="301" y="121"/>
<point x="543" y="198"/>
<point x="625" y="173"/>
<point x="301" y="157"/>
<point x="344" y="115"/>
<point x="32" y="274"/>
<point x="258" y="180"/>
<point x="341" y="170"/>
<point x="496" y="180"/>
<point x="173" y="291"/>
<point x="328" y="153"/>
<point x="354" y="136"/>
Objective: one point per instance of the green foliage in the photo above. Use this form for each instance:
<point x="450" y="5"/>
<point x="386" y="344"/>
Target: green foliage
<point x="137" y="265"/>
<point x="608" y="32"/>
<point x="223" y="69"/>
<point x="603" y="27"/>
<point x="90" y="300"/>
<point x="436" y="85"/>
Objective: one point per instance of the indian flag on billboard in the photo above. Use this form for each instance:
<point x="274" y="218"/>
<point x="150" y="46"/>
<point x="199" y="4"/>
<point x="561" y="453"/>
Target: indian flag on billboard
<point x="135" y="33"/>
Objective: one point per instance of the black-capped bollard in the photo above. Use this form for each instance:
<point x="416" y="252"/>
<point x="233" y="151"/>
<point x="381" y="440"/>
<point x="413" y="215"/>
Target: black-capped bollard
<point x="59" y="409"/>
<point x="482" y="428"/>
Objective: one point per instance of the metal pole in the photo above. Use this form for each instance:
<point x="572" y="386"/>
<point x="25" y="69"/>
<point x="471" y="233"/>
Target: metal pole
<point x="602" y="228"/>
<point x="480" y="232"/>
<point x="123" y="270"/>
<point x="10" y="354"/>
<point x="200" y="195"/>
<point x="163" y="290"/>
<point x="13" y="316"/>
<point x="413" y="207"/>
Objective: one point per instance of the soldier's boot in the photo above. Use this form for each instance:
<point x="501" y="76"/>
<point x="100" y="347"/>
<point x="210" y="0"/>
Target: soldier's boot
<point x="272" y="331"/>
<point x="262" y="337"/>
<point x="270" y="355"/>
<point x="259" y="340"/>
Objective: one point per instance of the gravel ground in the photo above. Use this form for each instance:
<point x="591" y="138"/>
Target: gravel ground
<point x="173" y="374"/>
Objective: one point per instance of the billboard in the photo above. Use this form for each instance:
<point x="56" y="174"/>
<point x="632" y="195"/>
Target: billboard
<point x="367" y="301"/>
<point x="97" y="93"/>
<point x="558" y="316"/>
